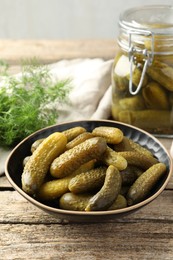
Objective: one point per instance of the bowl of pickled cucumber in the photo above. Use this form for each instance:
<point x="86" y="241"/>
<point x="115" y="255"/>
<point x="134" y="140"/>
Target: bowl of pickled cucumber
<point x="89" y="170"/>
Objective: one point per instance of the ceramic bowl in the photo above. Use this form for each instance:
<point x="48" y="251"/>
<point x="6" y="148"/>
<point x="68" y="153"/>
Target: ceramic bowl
<point x="13" y="169"/>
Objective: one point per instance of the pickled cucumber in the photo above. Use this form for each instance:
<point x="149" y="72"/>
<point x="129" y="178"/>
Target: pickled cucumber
<point x="25" y="160"/>
<point x="136" y="76"/>
<point x="132" y="103"/>
<point x="115" y="108"/>
<point x="139" y="159"/>
<point x="38" y="165"/>
<point x="111" y="157"/>
<point x="35" y="145"/>
<point x="55" y="188"/>
<point x="121" y="83"/>
<point x="72" y="159"/>
<point x="73" y="132"/>
<point x="139" y="148"/>
<point x="171" y="99"/>
<point x="124" y="189"/>
<point x="88" y="181"/>
<point x="128" y="144"/>
<point x="161" y="73"/>
<point x="124" y="145"/>
<point x="122" y="72"/>
<point x="79" y="139"/>
<point x="145" y="182"/>
<point x="130" y="174"/>
<point x="76" y="202"/>
<point x="147" y="119"/>
<point x="155" y="96"/>
<point x="112" y="135"/>
<point x="103" y="199"/>
<point x="86" y="166"/>
<point x="119" y="203"/>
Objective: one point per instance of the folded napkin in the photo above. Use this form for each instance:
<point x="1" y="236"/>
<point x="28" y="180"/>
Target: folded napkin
<point x="91" y="79"/>
<point x="90" y="97"/>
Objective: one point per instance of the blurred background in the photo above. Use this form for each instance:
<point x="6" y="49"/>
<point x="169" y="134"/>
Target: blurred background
<point x="64" y="19"/>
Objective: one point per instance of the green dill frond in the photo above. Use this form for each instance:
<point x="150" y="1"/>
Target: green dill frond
<point x="28" y="103"/>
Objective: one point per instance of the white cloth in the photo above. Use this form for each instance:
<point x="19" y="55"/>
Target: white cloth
<point x="90" y="97"/>
<point x="91" y="78"/>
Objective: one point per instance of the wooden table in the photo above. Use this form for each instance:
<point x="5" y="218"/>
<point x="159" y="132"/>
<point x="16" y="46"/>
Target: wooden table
<point x="28" y="233"/>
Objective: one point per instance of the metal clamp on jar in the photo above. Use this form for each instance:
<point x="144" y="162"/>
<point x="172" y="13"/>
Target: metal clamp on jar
<point x="142" y="75"/>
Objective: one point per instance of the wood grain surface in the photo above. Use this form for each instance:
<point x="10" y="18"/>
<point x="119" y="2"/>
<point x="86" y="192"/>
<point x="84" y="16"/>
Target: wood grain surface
<point x="26" y="232"/>
<point x="13" y="51"/>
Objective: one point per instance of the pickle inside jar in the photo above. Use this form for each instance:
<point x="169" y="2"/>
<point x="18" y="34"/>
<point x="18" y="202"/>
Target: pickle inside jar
<point x="151" y="108"/>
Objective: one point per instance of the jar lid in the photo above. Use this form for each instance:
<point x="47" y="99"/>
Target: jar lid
<point x="158" y="19"/>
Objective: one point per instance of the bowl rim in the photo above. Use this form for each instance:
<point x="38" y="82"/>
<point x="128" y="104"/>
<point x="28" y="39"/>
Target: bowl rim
<point x="90" y="213"/>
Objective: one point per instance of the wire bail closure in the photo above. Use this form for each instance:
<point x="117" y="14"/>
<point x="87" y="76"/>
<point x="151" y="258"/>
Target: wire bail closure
<point x="148" y="57"/>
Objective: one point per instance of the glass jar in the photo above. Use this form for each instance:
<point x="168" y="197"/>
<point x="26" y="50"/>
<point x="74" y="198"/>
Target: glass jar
<point x="142" y="74"/>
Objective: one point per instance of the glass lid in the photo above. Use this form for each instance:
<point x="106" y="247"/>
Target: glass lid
<point x="156" y="18"/>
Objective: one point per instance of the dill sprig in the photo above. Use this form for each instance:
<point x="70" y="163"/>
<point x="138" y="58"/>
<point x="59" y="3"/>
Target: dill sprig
<point x="29" y="102"/>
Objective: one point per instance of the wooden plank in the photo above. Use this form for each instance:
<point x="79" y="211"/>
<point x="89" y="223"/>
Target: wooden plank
<point x="16" y="209"/>
<point x="94" y="241"/>
<point x="4" y="183"/>
<point x="166" y="142"/>
<point x="53" y="50"/>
